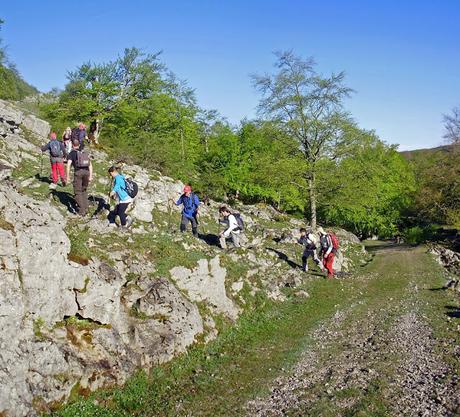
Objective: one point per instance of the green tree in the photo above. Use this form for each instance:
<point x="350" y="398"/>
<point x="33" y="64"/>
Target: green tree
<point x="308" y="107"/>
<point x="369" y="188"/>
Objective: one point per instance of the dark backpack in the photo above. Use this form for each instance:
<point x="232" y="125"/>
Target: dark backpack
<point x="83" y="159"/>
<point x="75" y="134"/>
<point x="131" y="187"/>
<point x="56" y="149"/>
<point x="239" y="220"/>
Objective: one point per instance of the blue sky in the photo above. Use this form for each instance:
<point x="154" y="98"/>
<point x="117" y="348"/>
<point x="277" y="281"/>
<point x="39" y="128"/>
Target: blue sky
<point x="401" y="57"/>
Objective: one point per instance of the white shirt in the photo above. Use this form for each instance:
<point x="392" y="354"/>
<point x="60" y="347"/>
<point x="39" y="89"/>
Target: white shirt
<point x="232" y="225"/>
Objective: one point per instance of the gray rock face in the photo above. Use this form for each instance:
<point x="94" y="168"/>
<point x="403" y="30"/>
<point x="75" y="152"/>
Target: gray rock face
<point x="447" y="258"/>
<point x="44" y="357"/>
<point x="15" y="117"/>
<point x="206" y="283"/>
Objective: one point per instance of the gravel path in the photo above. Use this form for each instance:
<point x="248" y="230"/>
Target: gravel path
<point x="383" y="361"/>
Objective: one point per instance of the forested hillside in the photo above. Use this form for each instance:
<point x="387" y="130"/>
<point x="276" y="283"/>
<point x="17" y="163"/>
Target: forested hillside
<point x="12" y="86"/>
<point x="438" y="184"/>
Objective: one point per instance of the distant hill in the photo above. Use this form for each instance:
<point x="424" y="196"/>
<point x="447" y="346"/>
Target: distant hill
<point x="428" y="152"/>
<point x="12" y="86"/>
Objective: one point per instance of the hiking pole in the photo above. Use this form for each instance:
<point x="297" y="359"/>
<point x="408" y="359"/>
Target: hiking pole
<point x="41" y="165"/>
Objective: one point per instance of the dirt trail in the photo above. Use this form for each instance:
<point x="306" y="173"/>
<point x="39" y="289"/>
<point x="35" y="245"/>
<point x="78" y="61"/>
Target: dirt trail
<point x="379" y="357"/>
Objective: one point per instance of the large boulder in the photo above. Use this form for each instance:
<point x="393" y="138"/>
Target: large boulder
<point x="206" y="283"/>
<point x="16" y="118"/>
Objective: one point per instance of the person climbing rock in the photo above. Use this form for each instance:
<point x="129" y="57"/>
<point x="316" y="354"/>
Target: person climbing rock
<point x="122" y="198"/>
<point x="190" y="202"/>
<point x="310" y="243"/>
<point x="234" y="228"/>
<point x="327" y="251"/>
<point x="83" y="175"/>
<point x="57" y="152"/>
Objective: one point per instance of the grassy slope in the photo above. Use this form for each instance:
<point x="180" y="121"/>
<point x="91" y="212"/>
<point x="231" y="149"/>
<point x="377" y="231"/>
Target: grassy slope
<point x="217" y="379"/>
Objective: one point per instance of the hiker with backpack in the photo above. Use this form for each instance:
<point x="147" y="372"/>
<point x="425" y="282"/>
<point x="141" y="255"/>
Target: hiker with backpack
<point x="83" y="175"/>
<point x="190" y="202"/>
<point x="57" y="152"/>
<point x="80" y="134"/>
<point x="329" y="246"/>
<point x="310" y="243"/>
<point x="67" y="140"/>
<point x="234" y="227"/>
<point x="122" y="197"/>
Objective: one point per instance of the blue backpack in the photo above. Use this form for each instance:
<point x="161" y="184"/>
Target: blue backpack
<point x="56" y="149"/>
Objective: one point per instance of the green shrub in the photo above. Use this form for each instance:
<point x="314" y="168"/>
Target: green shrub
<point x="417" y="234"/>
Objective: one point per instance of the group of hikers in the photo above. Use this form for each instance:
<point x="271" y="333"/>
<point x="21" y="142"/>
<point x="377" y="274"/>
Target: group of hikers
<point x="70" y="152"/>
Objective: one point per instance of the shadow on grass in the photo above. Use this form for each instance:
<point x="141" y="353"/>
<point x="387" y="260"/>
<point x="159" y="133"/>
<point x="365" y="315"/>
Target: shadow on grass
<point x="389" y="247"/>
<point x="42" y="178"/>
<point x="66" y="199"/>
<point x="284" y="257"/>
<point x="453" y="312"/>
<point x="210" y="239"/>
<point x="101" y="204"/>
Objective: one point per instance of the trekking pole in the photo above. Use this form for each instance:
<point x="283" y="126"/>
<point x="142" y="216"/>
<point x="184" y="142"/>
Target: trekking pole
<point x="41" y="165"/>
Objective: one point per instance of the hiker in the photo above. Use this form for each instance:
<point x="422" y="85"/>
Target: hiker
<point x="83" y="175"/>
<point x="67" y="140"/>
<point x="327" y="251"/>
<point x="122" y="198"/>
<point x="234" y="228"/>
<point x="310" y="243"/>
<point x="80" y="134"/>
<point x="190" y="201"/>
<point x="57" y="152"/>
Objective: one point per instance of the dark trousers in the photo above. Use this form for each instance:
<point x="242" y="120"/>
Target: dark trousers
<point x="120" y="211"/>
<point x="80" y="185"/>
<point x="184" y="221"/>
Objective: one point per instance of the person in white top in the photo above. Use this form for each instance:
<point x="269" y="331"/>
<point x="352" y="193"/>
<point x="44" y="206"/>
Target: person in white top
<point x="233" y="230"/>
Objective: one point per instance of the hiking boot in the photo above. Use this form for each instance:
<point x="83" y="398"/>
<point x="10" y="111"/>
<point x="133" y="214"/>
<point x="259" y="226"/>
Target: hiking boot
<point x="129" y="222"/>
<point x="63" y="183"/>
<point x="52" y="186"/>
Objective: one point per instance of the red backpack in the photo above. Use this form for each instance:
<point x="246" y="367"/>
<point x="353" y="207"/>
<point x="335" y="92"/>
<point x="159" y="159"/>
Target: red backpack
<point x="335" y="240"/>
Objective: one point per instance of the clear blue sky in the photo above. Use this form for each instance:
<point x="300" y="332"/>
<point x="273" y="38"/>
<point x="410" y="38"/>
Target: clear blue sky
<point x="401" y="57"/>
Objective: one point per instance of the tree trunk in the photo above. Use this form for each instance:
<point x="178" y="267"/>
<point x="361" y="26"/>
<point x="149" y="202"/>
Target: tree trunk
<point x="182" y="144"/>
<point x="95" y="131"/>
<point x="312" y="192"/>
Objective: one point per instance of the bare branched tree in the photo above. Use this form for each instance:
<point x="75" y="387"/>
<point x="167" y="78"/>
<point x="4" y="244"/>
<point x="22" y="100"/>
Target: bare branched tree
<point x="452" y="126"/>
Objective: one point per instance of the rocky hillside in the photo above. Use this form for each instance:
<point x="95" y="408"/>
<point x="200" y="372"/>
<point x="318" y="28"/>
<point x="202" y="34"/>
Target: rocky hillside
<point x="82" y="306"/>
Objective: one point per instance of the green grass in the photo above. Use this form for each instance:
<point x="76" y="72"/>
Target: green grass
<point x="79" y="250"/>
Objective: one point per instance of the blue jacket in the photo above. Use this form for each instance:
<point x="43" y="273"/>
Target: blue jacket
<point x="119" y="187"/>
<point x="190" y="204"/>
